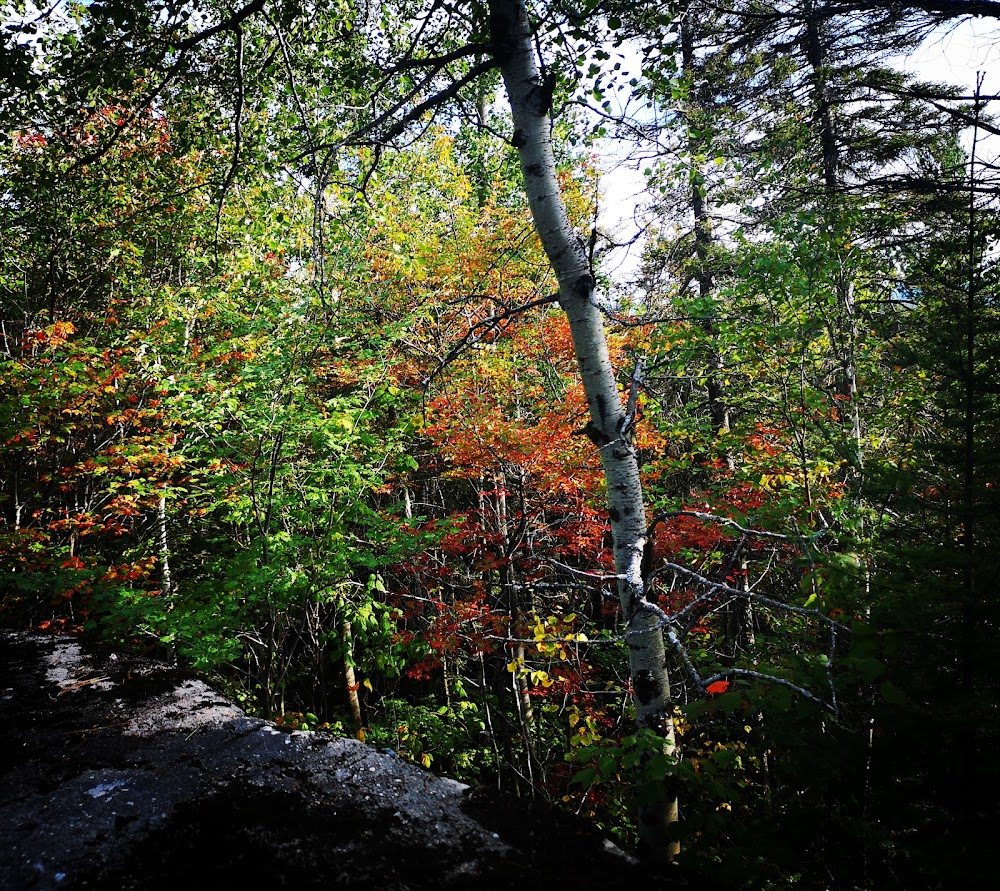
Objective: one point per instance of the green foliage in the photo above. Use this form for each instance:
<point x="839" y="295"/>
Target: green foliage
<point x="293" y="442"/>
<point x="445" y="738"/>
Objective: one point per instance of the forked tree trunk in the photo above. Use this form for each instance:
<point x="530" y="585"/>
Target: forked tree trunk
<point x="530" y="98"/>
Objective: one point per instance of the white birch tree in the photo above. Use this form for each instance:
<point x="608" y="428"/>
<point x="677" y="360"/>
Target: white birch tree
<point x="610" y="425"/>
<point x="379" y="91"/>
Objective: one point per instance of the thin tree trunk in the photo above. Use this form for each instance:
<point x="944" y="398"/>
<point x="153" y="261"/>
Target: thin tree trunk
<point x="717" y="407"/>
<point x="739" y="614"/>
<point x="18" y="505"/>
<point x="845" y="335"/>
<point x="970" y="398"/>
<point x="522" y="698"/>
<point x="530" y="97"/>
<point x="350" y="682"/>
<point x="161" y="522"/>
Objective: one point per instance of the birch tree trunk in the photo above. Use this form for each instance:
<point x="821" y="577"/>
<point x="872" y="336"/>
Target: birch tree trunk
<point x="530" y="97"/>
<point x="350" y="681"/>
<point x="164" y="545"/>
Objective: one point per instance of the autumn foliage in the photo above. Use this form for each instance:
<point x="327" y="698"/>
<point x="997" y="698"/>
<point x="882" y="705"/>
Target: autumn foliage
<point x="354" y="485"/>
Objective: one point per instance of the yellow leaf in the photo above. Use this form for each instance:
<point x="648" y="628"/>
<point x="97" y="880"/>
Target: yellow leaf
<point x="541" y="677"/>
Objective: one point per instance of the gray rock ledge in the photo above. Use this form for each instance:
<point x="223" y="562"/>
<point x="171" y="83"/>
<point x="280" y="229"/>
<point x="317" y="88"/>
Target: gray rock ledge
<point x="118" y="771"/>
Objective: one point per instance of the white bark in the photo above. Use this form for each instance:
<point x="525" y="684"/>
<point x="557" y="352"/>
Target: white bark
<point x="350" y="680"/>
<point x="530" y="99"/>
<point x="161" y="523"/>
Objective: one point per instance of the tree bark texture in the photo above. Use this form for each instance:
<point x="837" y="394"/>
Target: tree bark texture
<point x="350" y="681"/>
<point x="530" y="97"/>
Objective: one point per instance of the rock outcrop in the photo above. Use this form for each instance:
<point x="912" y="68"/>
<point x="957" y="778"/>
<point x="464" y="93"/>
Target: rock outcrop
<point x="121" y="772"/>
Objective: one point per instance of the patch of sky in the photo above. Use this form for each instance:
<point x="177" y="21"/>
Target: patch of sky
<point x="961" y="53"/>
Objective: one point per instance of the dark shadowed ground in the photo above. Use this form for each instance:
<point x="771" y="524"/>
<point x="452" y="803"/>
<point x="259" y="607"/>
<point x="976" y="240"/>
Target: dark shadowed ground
<point x="120" y="772"/>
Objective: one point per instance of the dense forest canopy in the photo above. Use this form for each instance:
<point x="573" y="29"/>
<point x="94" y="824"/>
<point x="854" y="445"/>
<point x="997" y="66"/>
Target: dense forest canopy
<point x="314" y="377"/>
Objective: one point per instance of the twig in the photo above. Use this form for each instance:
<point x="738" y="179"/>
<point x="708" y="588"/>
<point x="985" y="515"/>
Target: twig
<point x="84" y="683"/>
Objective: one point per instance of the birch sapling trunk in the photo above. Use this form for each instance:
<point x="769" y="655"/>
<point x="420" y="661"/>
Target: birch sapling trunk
<point x="351" y="684"/>
<point x="530" y="97"/>
<point x="164" y="545"/>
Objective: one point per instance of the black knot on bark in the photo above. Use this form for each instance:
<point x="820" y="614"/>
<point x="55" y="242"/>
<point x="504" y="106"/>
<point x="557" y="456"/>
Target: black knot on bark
<point x="648" y="686"/>
<point x="539" y="98"/>
<point x="594" y="433"/>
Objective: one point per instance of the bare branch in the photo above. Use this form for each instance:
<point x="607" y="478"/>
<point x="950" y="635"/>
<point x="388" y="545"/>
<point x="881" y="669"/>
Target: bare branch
<point x="230" y="24"/>
<point x="771" y="679"/>
<point x="476" y="330"/>
<point x="439" y="62"/>
<point x="752" y="595"/>
<point x="417" y="111"/>
<point x="732" y="524"/>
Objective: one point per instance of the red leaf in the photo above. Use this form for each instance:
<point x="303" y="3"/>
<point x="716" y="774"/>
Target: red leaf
<point x="717" y="687"/>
